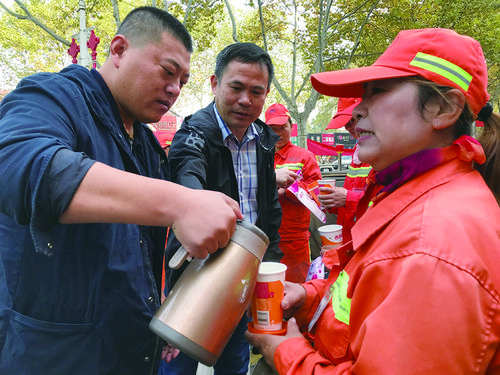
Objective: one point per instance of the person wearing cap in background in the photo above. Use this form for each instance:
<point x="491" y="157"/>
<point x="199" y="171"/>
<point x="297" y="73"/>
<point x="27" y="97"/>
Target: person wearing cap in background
<point x="417" y="290"/>
<point x="343" y="201"/>
<point x="165" y="139"/>
<point x="290" y="162"/>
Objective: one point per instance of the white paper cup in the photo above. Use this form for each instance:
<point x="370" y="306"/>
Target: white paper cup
<point x="267" y="313"/>
<point x="330" y="234"/>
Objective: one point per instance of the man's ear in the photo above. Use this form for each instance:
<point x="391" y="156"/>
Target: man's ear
<point x="214" y="82"/>
<point x="450" y="110"/>
<point x="119" y="44"/>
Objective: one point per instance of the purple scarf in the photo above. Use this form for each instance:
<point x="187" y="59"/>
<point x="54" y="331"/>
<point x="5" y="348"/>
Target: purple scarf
<point x="392" y="177"/>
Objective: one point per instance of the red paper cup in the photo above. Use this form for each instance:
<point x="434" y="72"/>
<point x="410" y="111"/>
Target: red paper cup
<point x="267" y="313"/>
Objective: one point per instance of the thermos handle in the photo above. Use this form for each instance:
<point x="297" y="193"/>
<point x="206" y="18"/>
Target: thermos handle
<point x="179" y="257"/>
<point x="181" y="254"/>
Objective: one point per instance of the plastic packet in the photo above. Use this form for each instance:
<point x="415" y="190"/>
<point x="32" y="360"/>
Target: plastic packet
<point x="316" y="270"/>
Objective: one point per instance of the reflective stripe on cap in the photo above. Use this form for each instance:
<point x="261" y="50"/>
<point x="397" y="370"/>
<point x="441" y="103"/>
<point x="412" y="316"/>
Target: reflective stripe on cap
<point x="444" y="68"/>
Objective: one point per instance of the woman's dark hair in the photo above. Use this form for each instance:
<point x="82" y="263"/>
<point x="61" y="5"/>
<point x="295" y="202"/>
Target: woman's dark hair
<point x="244" y="53"/>
<point x="144" y="25"/>
<point x="429" y="90"/>
<point x="489" y="138"/>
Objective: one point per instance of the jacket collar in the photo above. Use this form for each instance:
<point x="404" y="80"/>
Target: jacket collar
<point x="284" y="149"/>
<point x="456" y="162"/>
<point x="103" y="105"/>
<point x="250" y="133"/>
<point x="97" y="94"/>
<point x="465" y="148"/>
<point x="198" y="120"/>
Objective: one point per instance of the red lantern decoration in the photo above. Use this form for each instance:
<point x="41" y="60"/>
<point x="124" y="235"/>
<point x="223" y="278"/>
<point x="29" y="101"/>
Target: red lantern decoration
<point x="73" y="50"/>
<point x="92" y="44"/>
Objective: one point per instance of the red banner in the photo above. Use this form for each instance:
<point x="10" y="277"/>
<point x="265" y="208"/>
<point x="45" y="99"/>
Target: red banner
<point x="167" y="122"/>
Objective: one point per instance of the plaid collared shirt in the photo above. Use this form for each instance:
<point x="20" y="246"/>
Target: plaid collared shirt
<point x="245" y="166"/>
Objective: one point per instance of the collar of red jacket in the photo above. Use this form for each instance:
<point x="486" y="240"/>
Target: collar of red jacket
<point x="464" y="148"/>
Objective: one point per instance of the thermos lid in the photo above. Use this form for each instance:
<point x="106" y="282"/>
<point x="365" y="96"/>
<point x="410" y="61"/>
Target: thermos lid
<point x="250" y="237"/>
<point x="246" y="235"/>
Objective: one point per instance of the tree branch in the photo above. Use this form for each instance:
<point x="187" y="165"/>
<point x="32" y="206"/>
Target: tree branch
<point x="322" y="31"/>
<point x="279" y="88"/>
<point x="348" y="15"/>
<point x="294" y="55"/>
<point x="262" y="29"/>
<point x="188" y="11"/>
<point x="18" y="16"/>
<point x="37" y="22"/>
<point x="341" y="57"/>
<point x="233" y="22"/>
<point x="116" y="13"/>
<point x="358" y="37"/>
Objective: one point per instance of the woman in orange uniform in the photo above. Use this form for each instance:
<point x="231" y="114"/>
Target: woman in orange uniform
<point x="417" y="290"/>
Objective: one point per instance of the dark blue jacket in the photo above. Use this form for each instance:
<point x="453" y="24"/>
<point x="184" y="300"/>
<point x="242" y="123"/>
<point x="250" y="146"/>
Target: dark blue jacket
<point x="74" y="299"/>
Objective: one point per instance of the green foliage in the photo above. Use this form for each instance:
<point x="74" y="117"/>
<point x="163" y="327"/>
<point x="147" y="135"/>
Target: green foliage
<point x="197" y="93"/>
<point x="205" y="18"/>
<point x="46" y="53"/>
<point x="325" y="110"/>
<point x="477" y="18"/>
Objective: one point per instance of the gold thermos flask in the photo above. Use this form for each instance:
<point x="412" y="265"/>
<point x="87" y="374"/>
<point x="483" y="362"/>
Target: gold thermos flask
<point x="206" y="304"/>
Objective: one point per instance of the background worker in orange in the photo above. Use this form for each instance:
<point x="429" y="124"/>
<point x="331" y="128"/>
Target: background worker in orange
<point x="165" y="139"/>
<point x="291" y="163"/>
<point x="343" y="201"/>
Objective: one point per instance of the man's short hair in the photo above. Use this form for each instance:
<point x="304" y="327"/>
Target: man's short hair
<point x="244" y="53"/>
<point x="145" y="25"/>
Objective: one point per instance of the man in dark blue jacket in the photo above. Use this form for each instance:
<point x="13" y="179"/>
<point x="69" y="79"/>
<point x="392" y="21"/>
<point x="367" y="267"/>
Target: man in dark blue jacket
<point x="82" y="231"/>
<point x="225" y="147"/>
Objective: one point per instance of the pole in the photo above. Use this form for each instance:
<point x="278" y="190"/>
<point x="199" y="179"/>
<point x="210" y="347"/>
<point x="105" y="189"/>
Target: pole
<point x="85" y="59"/>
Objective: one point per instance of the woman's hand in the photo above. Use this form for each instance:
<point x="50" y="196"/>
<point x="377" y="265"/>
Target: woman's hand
<point x="294" y="298"/>
<point x="267" y="344"/>
<point x="169" y="352"/>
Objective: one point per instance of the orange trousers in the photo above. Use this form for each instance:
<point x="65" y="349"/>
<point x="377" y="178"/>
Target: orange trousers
<point x="297" y="258"/>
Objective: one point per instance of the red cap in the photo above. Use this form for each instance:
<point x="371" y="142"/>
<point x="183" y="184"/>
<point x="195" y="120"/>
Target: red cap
<point x="277" y="114"/>
<point x="439" y="55"/>
<point x="164" y="137"/>
<point x="344" y="112"/>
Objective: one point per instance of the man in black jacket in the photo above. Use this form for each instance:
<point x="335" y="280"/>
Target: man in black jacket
<point x="226" y="148"/>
